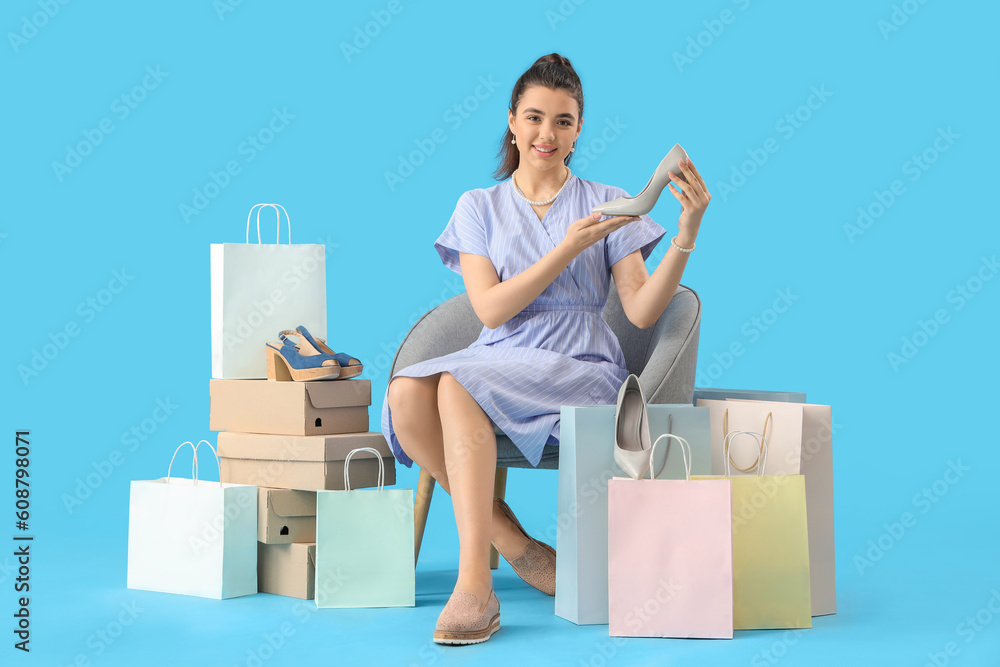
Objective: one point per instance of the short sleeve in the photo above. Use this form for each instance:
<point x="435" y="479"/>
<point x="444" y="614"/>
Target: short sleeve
<point x="642" y="235"/>
<point x="465" y="232"/>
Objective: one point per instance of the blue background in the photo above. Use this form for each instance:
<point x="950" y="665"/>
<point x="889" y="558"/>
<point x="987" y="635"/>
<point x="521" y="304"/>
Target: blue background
<point x="352" y="116"/>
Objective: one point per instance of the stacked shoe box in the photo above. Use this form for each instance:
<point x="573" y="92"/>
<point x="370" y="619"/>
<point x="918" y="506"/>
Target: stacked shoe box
<point x="290" y="439"/>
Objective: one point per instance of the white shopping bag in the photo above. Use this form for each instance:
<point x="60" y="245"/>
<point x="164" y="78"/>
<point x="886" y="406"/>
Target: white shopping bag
<point x="259" y="290"/>
<point x="192" y="537"/>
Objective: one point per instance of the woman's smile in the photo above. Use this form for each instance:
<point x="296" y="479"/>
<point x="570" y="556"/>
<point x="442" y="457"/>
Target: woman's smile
<point x="544" y="150"/>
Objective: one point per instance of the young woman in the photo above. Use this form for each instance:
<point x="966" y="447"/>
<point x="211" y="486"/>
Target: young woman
<point x="537" y="268"/>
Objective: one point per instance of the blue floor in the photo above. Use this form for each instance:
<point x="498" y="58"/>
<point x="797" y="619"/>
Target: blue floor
<point x="915" y="603"/>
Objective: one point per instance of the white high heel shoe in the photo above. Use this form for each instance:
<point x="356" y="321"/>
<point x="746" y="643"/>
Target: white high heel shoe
<point x="632" y="430"/>
<point x="643" y="202"/>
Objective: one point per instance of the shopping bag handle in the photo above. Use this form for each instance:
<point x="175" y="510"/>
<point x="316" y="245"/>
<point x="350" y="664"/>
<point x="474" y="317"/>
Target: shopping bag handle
<point x="194" y="459"/>
<point x="761" y="461"/>
<point x="685" y="451"/>
<point x="275" y="207"/>
<point x="763" y="435"/>
<point x="347" y="463"/>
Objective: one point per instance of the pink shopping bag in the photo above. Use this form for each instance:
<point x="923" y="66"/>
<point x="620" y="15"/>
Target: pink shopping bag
<point x="670" y="555"/>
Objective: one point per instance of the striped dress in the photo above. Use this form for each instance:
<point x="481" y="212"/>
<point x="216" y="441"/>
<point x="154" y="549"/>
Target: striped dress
<point x="558" y="350"/>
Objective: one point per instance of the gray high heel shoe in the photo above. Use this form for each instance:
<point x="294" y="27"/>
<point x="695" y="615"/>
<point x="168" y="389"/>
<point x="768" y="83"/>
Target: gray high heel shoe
<point x="643" y="202"/>
<point x="632" y="430"/>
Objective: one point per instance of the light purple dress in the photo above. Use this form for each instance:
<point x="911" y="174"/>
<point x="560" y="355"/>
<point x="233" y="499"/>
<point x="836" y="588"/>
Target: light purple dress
<point x="558" y="350"/>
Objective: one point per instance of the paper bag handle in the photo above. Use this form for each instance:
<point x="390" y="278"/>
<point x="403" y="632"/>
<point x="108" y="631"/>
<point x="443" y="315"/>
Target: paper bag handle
<point x="347" y="463"/>
<point x="194" y="460"/>
<point x="685" y="451"/>
<point x="763" y="435"/>
<point x="275" y="207"/>
<point x="761" y="461"/>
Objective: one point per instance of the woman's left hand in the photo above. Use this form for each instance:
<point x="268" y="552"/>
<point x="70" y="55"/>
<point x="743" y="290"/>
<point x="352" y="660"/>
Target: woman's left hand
<point x="694" y="200"/>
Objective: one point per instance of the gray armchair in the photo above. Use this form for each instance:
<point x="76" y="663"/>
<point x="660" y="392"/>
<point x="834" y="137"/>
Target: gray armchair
<point x="662" y="356"/>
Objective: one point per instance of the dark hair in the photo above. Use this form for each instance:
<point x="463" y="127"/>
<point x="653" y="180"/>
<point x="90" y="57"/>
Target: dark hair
<point x="552" y="71"/>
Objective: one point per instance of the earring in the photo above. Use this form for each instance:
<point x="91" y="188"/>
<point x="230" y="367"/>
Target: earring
<point x="573" y="148"/>
<point x="514" y="140"/>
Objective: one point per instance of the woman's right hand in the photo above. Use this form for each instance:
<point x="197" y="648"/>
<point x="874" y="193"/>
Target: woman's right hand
<point x="585" y="232"/>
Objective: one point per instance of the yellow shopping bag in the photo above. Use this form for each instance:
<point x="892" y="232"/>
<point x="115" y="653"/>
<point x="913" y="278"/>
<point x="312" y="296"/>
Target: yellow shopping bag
<point x="770" y="545"/>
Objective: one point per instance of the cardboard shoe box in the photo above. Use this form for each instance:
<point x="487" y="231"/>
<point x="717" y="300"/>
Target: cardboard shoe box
<point x="292" y="408"/>
<point x="286" y="515"/>
<point x="306" y="462"/>
<point x="287" y="569"/>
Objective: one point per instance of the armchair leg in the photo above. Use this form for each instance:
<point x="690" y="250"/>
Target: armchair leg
<point x="421" y="506"/>
<point x="499" y="491"/>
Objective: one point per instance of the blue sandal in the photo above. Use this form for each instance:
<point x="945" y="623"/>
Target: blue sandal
<point x="287" y="362"/>
<point x="349" y="366"/>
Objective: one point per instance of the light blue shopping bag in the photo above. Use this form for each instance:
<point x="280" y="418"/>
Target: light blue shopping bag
<point x="586" y="463"/>
<point x="364" y="544"/>
<point x="720" y="394"/>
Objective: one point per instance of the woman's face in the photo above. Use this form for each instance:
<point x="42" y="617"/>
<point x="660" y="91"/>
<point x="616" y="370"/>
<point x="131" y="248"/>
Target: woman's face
<point x="546" y="124"/>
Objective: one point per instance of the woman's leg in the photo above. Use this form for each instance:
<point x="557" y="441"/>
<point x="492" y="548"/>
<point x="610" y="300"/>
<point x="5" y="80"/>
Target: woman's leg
<point x="413" y="404"/>
<point x="416" y="420"/>
<point x="470" y="454"/>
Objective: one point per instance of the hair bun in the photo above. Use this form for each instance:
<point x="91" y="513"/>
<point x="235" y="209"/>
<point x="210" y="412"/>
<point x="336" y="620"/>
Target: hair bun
<point x="555" y="59"/>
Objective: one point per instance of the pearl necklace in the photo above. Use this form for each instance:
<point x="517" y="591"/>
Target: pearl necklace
<point x="540" y="203"/>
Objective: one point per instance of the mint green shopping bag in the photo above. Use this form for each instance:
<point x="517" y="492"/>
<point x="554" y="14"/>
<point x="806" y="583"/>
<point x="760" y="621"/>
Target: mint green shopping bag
<point x="364" y="544"/>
